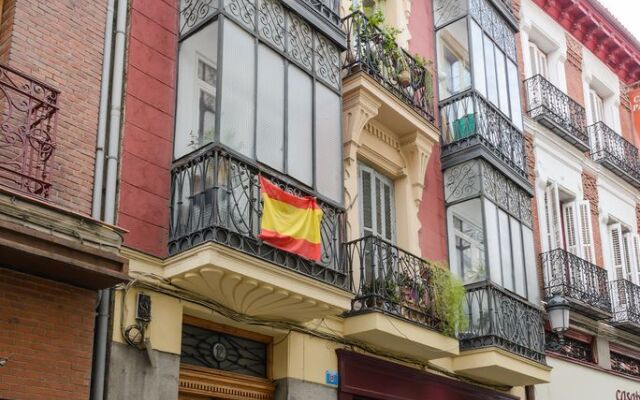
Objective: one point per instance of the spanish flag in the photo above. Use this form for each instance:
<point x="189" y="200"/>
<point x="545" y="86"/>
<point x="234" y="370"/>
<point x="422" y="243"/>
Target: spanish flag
<point x="289" y="222"/>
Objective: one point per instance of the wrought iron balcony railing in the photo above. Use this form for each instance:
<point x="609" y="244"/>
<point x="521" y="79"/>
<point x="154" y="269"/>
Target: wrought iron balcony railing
<point x="216" y="197"/>
<point x="578" y="280"/>
<point x="369" y="50"/>
<point x="28" y="123"/>
<point x="615" y="152"/>
<point x="499" y="318"/>
<point x="469" y="120"/>
<point x="392" y="281"/>
<point x="625" y="298"/>
<point x="554" y="109"/>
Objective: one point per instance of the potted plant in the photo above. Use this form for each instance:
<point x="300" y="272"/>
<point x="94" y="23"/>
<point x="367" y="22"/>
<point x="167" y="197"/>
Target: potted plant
<point x="448" y="299"/>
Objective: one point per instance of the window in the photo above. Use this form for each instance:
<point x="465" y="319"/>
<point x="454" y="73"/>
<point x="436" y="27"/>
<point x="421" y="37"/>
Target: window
<point x="624" y="247"/>
<point x="567" y="223"/>
<point x="597" y="107"/>
<point x="377" y="209"/>
<point x="267" y="97"/>
<point x="469" y="241"/>
<point x="538" y="61"/>
<point x="453" y="59"/>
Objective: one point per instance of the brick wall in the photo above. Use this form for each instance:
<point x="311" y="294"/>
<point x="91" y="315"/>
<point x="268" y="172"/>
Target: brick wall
<point x="626" y="121"/>
<point x="590" y="189"/>
<point x="46" y="332"/>
<point x="573" y="70"/>
<point x="148" y="125"/>
<point x="60" y="42"/>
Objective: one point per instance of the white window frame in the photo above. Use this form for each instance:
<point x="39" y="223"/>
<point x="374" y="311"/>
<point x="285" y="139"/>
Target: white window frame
<point x="375" y="223"/>
<point x="200" y="85"/>
<point x="538" y="61"/>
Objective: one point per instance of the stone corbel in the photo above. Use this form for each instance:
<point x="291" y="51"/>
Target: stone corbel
<point x="416" y="150"/>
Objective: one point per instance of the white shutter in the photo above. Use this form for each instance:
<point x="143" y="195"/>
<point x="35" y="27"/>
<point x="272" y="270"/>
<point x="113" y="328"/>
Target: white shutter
<point x="586" y="231"/>
<point x="571" y="228"/>
<point x="597" y="107"/>
<point x="552" y="218"/>
<point x="630" y="257"/>
<point x="617" y="254"/>
<point x="636" y="259"/>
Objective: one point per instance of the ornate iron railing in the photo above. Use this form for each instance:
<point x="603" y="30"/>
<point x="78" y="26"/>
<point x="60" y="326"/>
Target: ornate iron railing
<point x="499" y="318"/>
<point x="615" y="152"/>
<point x="216" y="197"/>
<point x="467" y="120"/>
<point x="575" y="278"/>
<point x="28" y="123"/>
<point x="569" y="347"/>
<point x="392" y="281"/>
<point x="554" y="109"/>
<point x="625" y="364"/>
<point x="368" y="50"/>
<point x="625" y="298"/>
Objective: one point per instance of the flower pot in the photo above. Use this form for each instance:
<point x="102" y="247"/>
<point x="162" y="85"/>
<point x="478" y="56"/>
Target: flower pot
<point x="404" y="78"/>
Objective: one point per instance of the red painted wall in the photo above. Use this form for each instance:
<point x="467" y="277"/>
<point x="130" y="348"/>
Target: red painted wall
<point x="148" y="125"/>
<point x="433" y="234"/>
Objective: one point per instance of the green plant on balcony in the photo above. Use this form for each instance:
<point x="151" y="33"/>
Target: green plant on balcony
<point x="448" y="299"/>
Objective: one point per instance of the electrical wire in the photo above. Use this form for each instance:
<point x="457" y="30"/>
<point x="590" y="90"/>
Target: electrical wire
<point x="165" y="287"/>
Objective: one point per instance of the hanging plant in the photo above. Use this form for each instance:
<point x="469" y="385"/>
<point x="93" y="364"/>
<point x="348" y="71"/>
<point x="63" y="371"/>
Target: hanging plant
<point x="448" y="299"/>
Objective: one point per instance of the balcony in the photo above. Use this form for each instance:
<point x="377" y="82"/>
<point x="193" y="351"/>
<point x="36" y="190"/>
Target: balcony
<point x="504" y="343"/>
<point x="29" y="111"/>
<point x="369" y="51"/>
<point x="615" y="153"/>
<point x="472" y="128"/>
<point x="395" y="284"/>
<point x="625" y="296"/>
<point x="583" y="284"/>
<point x="555" y="110"/>
<point x="215" y="221"/>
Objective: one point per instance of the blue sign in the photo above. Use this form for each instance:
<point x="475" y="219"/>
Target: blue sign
<point x="331" y="378"/>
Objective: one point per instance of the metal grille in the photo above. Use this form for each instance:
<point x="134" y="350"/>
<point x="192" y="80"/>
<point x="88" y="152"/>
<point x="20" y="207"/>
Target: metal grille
<point x="625" y="364"/>
<point x="222" y="351"/>
<point x="392" y="281"/>
<point x="553" y="108"/>
<point x="570" y="348"/>
<point x="500" y="318"/>
<point x="28" y="123"/>
<point x="615" y="152"/>
<point x="575" y="278"/>
<point x="368" y="51"/>
<point x="625" y="296"/>
<point x="468" y="120"/>
<point x="216" y="197"/>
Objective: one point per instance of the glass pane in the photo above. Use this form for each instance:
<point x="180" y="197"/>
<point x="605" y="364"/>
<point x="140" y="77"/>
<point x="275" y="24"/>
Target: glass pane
<point x="453" y="59"/>
<point x="503" y="92"/>
<point x="493" y="242"/>
<point x="514" y="95"/>
<point x="238" y="90"/>
<point x="328" y="144"/>
<point x="490" y="65"/>
<point x="270" y="113"/>
<point x="505" y="250"/>
<point x="299" y="126"/>
<point x="531" y="272"/>
<point x="466" y="241"/>
<point x="477" y="51"/>
<point x="197" y="77"/>
<point x="518" y="262"/>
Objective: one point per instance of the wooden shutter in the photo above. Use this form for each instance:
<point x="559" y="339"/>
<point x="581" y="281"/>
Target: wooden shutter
<point x="586" y="231"/>
<point x="636" y="251"/>
<point x="377" y="214"/>
<point x="553" y="231"/>
<point x="627" y="248"/>
<point x="597" y="107"/>
<point x="571" y="228"/>
<point x="366" y="201"/>
<point x="617" y="254"/>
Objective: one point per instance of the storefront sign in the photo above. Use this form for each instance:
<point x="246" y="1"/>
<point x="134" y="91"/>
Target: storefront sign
<point x="624" y="395"/>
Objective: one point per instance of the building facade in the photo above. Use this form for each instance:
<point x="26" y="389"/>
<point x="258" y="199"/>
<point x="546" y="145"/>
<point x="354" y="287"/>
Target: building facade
<point x="472" y="161"/>
<point x="55" y="255"/>
<point x="583" y="148"/>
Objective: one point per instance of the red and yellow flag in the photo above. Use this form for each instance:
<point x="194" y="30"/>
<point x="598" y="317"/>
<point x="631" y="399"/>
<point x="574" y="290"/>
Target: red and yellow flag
<point x="289" y="222"/>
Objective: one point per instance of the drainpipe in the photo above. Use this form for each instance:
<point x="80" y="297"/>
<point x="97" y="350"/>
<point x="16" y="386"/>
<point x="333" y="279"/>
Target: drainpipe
<point x="96" y="209"/>
<point x="115" y="113"/>
<point x="111" y="86"/>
